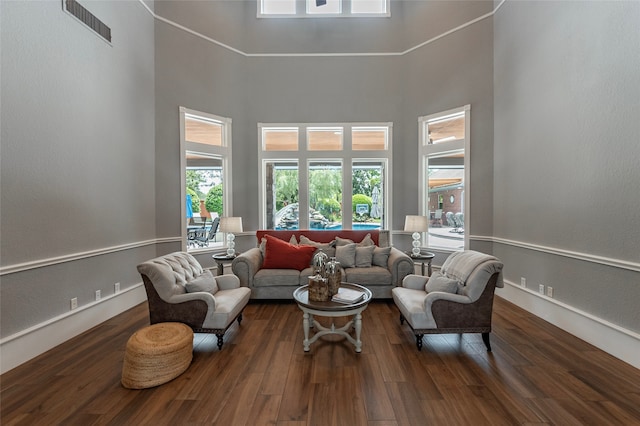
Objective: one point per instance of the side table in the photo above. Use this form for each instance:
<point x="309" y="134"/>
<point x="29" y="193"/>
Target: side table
<point x="221" y="260"/>
<point x="422" y="259"/>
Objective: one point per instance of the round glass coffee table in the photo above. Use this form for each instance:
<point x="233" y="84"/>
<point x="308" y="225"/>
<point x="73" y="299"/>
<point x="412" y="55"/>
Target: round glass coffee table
<point x="332" y="309"/>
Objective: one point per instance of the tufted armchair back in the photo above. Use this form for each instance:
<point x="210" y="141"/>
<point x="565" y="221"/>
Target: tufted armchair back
<point x="169" y="273"/>
<point x="473" y="270"/>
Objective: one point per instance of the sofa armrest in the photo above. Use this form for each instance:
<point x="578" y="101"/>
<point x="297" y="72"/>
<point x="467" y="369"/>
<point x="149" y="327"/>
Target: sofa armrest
<point x="415" y="282"/>
<point x="400" y="265"/>
<point x="227" y="281"/>
<point x="246" y="265"/>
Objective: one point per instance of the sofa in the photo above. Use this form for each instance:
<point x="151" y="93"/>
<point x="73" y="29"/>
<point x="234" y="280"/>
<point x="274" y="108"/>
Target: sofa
<point x="281" y="261"/>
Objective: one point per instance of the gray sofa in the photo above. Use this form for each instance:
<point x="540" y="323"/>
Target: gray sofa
<point x="380" y="276"/>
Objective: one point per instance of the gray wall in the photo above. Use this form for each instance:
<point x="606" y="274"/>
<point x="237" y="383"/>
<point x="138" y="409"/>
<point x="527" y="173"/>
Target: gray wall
<point x="201" y="75"/>
<point x="567" y="149"/>
<point x="78" y="165"/>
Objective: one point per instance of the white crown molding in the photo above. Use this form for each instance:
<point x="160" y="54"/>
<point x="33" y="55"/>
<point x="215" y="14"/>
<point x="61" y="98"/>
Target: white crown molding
<point x="306" y="55"/>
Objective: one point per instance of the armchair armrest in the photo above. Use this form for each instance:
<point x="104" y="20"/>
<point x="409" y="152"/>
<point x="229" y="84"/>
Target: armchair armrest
<point x="199" y="295"/>
<point x="400" y="265"/>
<point x="246" y="265"/>
<point x="227" y="281"/>
<point x="415" y="282"/>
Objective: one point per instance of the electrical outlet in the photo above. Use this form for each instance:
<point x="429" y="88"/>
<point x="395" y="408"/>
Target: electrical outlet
<point x="98" y="294"/>
<point x="74" y="303"/>
<point x="523" y="281"/>
<point x="116" y="287"/>
<point x="541" y="288"/>
<point x="550" y="291"/>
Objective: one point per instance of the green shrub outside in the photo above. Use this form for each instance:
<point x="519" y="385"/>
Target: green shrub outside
<point x="195" y="200"/>
<point x="213" y="202"/>
<point x="329" y="208"/>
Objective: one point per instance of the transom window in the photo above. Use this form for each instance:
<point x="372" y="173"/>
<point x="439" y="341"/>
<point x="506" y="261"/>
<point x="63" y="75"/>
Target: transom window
<point x="319" y="8"/>
<point x="328" y="176"/>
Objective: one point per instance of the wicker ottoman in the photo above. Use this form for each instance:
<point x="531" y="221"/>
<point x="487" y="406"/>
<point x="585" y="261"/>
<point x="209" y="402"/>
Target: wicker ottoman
<point x="157" y="354"/>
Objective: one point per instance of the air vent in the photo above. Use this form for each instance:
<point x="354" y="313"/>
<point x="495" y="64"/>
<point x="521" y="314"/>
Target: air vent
<point x="88" y="18"/>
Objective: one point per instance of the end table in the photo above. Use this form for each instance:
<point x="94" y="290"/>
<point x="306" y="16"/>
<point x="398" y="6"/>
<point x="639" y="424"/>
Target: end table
<point x="221" y="260"/>
<point x="422" y="259"/>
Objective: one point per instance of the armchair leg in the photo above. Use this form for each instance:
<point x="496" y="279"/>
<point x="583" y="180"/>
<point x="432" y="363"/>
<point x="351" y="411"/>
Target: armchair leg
<point x="419" y="341"/>
<point x="485" y="339"/>
<point x="401" y="319"/>
<point x="240" y="318"/>
<point x="220" y="340"/>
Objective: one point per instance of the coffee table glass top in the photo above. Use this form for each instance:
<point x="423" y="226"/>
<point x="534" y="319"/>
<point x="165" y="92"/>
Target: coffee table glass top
<point x="301" y="296"/>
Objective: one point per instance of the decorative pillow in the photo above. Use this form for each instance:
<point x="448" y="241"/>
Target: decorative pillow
<point x="364" y="256"/>
<point x="263" y="243"/>
<point x="280" y="254"/>
<point x="204" y="282"/>
<point x="381" y="256"/>
<point x="327" y="248"/>
<point x="346" y="255"/>
<point x="438" y="282"/>
<point x="366" y="241"/>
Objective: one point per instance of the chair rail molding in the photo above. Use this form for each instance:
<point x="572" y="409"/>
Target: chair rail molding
<point x="40" y="263"/>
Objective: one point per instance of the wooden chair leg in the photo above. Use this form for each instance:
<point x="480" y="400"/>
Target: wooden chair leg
<point x="419" y="341"/>
<point x="485" y="339"/>
<point x="240" y="318"/>
<point x="401" y="319"/>
<point x="220" y="340"/>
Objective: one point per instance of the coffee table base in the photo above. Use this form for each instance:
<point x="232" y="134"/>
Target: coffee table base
<point x="355" y="323"/>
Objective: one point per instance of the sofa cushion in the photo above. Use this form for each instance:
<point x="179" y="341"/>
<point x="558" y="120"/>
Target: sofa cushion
<point x="263" y="243"/>
<point x="327" y="248"/>
<point x="205" y="282"/>
<point x="346" y="255"/>
<point x="366" y="241"/>
<point x="276" y="277"/>
<point x="373" y="276"/>
<point x="364" y="256"/>
<point x="280" y="254"/>
<point x="381" y="256"/>
<point x="439" y="282"/>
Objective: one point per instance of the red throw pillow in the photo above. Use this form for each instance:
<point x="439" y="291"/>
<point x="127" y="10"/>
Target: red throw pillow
<point x="280" y="254"/>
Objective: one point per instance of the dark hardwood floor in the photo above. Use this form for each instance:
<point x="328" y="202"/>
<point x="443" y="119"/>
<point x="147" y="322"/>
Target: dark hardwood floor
<point x="536" y="374"/>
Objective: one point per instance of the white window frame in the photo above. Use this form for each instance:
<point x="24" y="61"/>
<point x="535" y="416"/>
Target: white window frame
<point x="425" y="150"/>
<point x="346" y="156"/>
<point x="223" y="152"/>
<point x="302" y="11"/>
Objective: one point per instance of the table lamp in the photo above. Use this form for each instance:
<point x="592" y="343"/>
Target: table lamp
<point x="229" y="225"/>
<point x="417" y="225"/>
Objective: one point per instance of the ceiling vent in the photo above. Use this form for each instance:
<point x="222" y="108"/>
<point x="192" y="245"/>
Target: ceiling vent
<point x="87" y="18"/>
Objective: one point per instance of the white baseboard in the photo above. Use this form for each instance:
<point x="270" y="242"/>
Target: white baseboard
<point x="615" y="340"/>
<point x="27" y="344"/>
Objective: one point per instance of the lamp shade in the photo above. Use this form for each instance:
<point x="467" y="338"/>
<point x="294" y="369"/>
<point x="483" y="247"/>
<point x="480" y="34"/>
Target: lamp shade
<point x="416" y="224"/>
<point x="231" y="224"/>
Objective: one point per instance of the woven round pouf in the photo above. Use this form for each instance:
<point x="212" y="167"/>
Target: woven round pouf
<point x="157" y="354"/>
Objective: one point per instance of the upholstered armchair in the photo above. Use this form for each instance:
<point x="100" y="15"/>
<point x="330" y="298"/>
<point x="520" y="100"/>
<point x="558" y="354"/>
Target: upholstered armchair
<point x="458" y="299"/>
<point x="180" y="290"/>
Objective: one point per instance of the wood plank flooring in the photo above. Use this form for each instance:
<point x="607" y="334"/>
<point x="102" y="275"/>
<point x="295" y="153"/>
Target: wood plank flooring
<point x="536" y="374"/>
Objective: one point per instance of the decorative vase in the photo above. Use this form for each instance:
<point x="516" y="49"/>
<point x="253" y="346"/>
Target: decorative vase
<point x="318" y="289"/>
<point x="320" y="263"/>
<point x="334" y="276"/>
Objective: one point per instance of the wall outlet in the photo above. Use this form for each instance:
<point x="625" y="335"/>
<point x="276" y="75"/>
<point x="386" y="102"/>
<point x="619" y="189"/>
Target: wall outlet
<point x="74" y="303"/>
<point x="523" y="281"/>
<point x="541" y="288"/>
<point x="98" y="294"/>
<point x="116" y="287"/>
<point x="550" y="291"/>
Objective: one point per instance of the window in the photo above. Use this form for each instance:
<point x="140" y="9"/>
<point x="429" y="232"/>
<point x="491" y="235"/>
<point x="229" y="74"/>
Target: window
<point x="319" y="8"/>
<point x="444" y="172"/>
<point x="205" y="144"/>
<point x="335" y="178"/>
